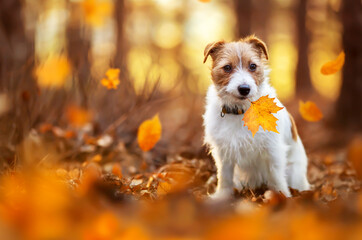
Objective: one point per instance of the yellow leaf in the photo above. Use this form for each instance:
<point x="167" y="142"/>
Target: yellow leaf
<point x="149" y="133"/>
<point x="95" y="11"/>
<point x="260" y="114"/>
<point x="310" y="111"/>
<point x="333" y="66"/>
<point x="112" y="80"/>
<point x="110" y="83"/>
<point x="53" y="72"/>
<point x="113" y="73"/>
<point x="205" y="1"/>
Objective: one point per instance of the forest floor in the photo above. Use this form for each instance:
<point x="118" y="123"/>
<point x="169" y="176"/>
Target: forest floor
<point x="99" y="187"/>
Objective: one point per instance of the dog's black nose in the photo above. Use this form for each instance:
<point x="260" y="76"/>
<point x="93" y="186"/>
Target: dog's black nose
<point x="244" y="89"/>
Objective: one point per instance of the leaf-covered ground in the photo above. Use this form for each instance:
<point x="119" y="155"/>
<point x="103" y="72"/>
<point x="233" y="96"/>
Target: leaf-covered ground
<point x="99" y="188"/>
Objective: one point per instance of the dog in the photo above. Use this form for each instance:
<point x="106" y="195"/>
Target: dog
<point x="278" y="160"/>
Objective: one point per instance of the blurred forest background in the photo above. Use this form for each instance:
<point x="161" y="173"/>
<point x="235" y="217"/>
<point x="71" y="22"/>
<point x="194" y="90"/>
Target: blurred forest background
<point x="158" y="47"/>
<point x="54" y="109"/>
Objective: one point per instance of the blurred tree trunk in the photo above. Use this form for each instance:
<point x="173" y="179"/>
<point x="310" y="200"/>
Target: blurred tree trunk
<point x="78" y="47"/>
<point x="349" y="110"/>
<point x="119" y="59"/>
<point x="243" y="11"/>
<point x="303" y="80"/>
<point x="119" y="13"/>
<point x="15" y="48"/>
<point x="16" y="72"/>
<point x="261" y="11"/>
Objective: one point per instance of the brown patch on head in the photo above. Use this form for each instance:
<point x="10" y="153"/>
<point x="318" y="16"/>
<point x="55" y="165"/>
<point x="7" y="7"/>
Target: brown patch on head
<point x="237" y="54"/>
<point x="258" y="44"/>
<point x="212" y="49"/>
<point x="293" y="128"/>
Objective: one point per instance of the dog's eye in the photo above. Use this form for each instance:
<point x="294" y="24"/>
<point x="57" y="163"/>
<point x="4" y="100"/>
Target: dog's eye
<point x="227" y="68"/>
<point x="252" y="67"/>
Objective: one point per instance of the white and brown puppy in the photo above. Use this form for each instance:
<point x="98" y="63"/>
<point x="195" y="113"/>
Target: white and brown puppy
<point x="278" y="160"/>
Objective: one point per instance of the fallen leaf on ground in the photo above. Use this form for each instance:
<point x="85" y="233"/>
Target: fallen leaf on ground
<point x="310" y="111"/>
<point x="260" y="114"/>
<point x="163" y="188"/>
<point x="96" y="158"/>
<point x="117" y="170"/>
<point x="333" y="66"/>
<point x="149" y="133"/>
<point x="78" y="116"/>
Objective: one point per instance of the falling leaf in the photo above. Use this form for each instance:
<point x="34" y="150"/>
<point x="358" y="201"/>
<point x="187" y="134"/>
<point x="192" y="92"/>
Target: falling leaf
<point x="260" y="114"/>
<point x="54" y="72"/>
<point x="310" y="111"/>
<point x="149" y="133"/>
<point x="333" y="66"/>
<point x="112" y="79"/>
<point x="96" y="11"/>
<point x="78" y="116"/>
<point x="113" y="73"/>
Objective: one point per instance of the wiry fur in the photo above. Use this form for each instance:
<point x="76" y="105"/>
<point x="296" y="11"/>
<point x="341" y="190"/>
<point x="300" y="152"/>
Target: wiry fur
<point x="277" y="160"/>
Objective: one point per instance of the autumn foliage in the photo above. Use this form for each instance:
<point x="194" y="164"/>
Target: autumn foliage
<point x="334" y="65"/>
<point x="99" y="148"/>
<point x="310" y="111"/>
<point x="260" y="115"/>
<point x="149" y="133"/>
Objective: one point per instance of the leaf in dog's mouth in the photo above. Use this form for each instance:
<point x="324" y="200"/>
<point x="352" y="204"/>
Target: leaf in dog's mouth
<point x="260" y="114"/>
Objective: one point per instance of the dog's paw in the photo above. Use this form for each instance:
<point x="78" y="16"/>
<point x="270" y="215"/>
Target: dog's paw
<point x="221" y="195"/>
<point x="286" y="193"/>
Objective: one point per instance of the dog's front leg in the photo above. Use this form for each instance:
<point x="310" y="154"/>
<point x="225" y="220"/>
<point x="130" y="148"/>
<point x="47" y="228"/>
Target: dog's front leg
<point x="278" y="180"/>
<point x="225" y="175"/>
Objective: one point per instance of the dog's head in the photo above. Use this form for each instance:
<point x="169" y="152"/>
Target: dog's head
<point x="238" y="69"/>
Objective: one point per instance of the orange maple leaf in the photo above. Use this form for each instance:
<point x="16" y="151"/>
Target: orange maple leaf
<point x="333" y="66"/>
<point x="260" y="114"/>
<point x="149" y="133"/>
<point x="112" y="80"/>
<point x="310" y="111"/>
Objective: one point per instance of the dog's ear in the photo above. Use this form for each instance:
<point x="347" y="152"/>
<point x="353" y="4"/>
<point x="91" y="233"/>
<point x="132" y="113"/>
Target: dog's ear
<point x="211" y="49"/>
<point x="259" y="44"/>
